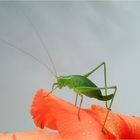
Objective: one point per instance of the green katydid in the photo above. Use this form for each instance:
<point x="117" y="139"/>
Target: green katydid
<point x="80" y="84"/>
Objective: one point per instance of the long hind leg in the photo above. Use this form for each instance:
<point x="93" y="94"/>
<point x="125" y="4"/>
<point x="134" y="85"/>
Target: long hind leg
<point x="94" y="94"/>
<point x="105" y="77"/>
<point x="109" y="110"/>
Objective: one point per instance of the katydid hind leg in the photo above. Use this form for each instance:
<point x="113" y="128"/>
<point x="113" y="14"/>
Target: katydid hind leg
<point x="92" y="89"/>
<point x="91" y="92"/>
<point x="105" y="77"/>
<point x="107" y="114"/>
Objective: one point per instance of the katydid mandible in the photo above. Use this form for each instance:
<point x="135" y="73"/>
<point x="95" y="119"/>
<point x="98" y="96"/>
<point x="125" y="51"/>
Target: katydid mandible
<point x="80" y="84"/>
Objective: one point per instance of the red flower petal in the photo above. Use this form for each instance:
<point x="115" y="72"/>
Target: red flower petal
<point x="56" y="113"/>
<point x="133" y="125"/>
<point x="33" y="135"/>
<point x="115" y="125"/>
<point x="64" y="118"/>
<point x="6" y="137"/>
<point x="55" y="136"/>
<point x="41" y="118"/>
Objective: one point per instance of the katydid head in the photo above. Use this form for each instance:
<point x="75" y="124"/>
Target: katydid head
<point x="62" y="81"/>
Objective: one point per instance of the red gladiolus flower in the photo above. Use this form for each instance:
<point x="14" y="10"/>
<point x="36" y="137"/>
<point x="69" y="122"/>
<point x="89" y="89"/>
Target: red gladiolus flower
<point x="60" y="115"/>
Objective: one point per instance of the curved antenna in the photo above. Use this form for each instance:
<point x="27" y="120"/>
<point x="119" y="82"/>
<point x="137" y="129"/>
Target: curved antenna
<point x="42" y="42"/>
<point x="27" y="53"/>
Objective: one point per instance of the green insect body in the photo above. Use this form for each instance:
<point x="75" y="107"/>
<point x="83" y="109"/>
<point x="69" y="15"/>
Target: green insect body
<point x="82" y="85"/>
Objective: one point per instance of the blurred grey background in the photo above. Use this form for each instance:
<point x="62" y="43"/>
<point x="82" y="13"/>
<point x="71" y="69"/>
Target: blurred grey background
<point x="79" y="36"/>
